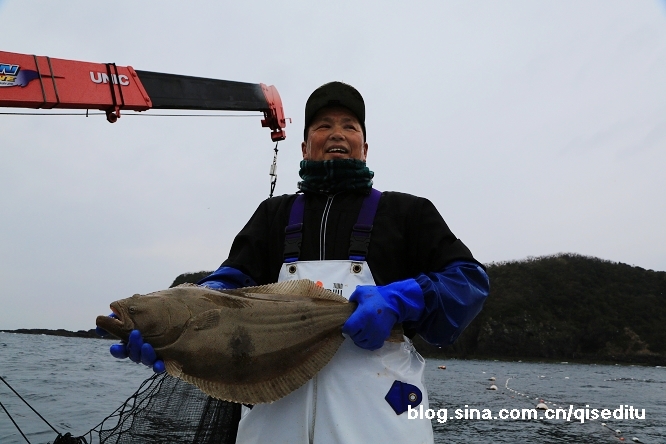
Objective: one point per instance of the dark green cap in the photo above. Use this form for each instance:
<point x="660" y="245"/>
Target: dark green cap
<point x="334" y="94"/>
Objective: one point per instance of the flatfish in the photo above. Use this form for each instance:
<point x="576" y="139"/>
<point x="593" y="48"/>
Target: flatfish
<point x="251" y="345"/>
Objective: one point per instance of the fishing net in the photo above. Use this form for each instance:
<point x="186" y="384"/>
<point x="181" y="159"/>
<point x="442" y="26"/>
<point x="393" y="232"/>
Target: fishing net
<point x="164" y="409"/>
<point x="167" y="410"/>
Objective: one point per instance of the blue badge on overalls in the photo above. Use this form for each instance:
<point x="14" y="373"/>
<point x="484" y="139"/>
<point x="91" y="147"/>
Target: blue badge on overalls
<point x="402" y="395"/>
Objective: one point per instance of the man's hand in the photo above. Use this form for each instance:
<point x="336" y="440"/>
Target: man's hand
<point x="379" y="309"/>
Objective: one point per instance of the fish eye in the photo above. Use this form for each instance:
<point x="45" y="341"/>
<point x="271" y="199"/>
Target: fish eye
<point x="132" y="309"/>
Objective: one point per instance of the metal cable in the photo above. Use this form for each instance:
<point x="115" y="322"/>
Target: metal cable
<point x="273" y="171"/>
<point x="26" y="403"/>
<point x="15" y="425"/>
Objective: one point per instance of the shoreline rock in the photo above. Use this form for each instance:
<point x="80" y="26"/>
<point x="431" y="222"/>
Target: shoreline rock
<point x="59" y="332"/>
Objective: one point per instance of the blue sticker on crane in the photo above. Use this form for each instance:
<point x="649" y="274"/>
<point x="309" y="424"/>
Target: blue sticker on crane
<point x="13" y="75"/>
<point x="402" y="395"/>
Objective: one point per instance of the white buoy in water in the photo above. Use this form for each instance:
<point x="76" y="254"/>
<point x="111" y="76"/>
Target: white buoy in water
<point x="492" y="387"/>
<point x="634" y="439"/>
<point x="492" y="378"/>
<point x="541" y="406"/>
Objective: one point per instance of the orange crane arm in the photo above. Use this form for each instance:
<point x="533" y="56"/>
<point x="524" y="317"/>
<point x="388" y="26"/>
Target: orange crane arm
<point x="30" y="81"/>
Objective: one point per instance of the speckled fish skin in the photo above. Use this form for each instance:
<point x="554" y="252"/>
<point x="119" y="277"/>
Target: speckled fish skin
<point x="252" y="345"/>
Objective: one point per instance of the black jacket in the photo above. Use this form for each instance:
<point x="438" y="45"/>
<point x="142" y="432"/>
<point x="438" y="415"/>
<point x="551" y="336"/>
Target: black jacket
<point x="409" y="236"/>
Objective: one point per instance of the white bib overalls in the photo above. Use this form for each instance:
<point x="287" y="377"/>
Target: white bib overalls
<point x="345" y="402"/>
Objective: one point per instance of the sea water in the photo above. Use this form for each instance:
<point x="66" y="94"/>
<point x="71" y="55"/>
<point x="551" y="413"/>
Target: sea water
<point x="74" y="384"/>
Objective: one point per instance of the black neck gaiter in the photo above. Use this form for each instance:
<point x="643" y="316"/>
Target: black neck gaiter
<point x="333" y="176"/>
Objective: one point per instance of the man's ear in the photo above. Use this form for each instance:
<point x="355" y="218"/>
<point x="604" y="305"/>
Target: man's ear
<point x="304" y="149"/>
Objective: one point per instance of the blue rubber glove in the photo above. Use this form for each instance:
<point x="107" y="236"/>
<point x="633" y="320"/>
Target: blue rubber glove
<point x="227" y="278"/>
<point x="138" y="351"/>
<point x="380" y="308"/>
<point x="215" y="285"/>
<point x="100" y="331"/>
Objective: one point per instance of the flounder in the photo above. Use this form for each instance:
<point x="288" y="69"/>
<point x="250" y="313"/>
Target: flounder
<point x="251" y="345"/>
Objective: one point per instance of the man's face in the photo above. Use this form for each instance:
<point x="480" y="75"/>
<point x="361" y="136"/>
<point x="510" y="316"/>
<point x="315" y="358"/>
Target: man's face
<point x="335" y="133"/>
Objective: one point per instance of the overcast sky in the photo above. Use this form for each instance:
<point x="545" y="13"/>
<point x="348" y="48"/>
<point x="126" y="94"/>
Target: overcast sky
<point x="536" y="127"/>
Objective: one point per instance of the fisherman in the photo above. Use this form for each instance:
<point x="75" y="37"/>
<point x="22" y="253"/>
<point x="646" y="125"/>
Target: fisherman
<point x="391" y="253"/>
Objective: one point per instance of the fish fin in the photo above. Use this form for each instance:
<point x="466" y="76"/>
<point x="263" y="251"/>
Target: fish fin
<point x="299" y="287"/>
<point x="222" y="298"/>
<point x="160" y="292"/>
<point x="219" y="298"/>
<point x="206" y="320"/>
<point x="270" y="390"/>
<point x="174" y="368"/>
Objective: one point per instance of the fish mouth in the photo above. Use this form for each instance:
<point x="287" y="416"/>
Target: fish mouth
<point x="118" y="323"/>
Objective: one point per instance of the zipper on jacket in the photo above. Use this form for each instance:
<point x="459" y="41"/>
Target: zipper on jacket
<point x="322" y="228"/>
<point x="322" y="256"/>
<point x="314" y="409"/>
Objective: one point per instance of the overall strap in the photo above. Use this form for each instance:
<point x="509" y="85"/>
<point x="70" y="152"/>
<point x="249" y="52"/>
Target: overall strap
<point x="360" y="237"/>
<point x="294" y="230"/>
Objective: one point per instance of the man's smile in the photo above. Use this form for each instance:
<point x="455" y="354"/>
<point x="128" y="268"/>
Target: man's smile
<point x="337" y="149"/>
